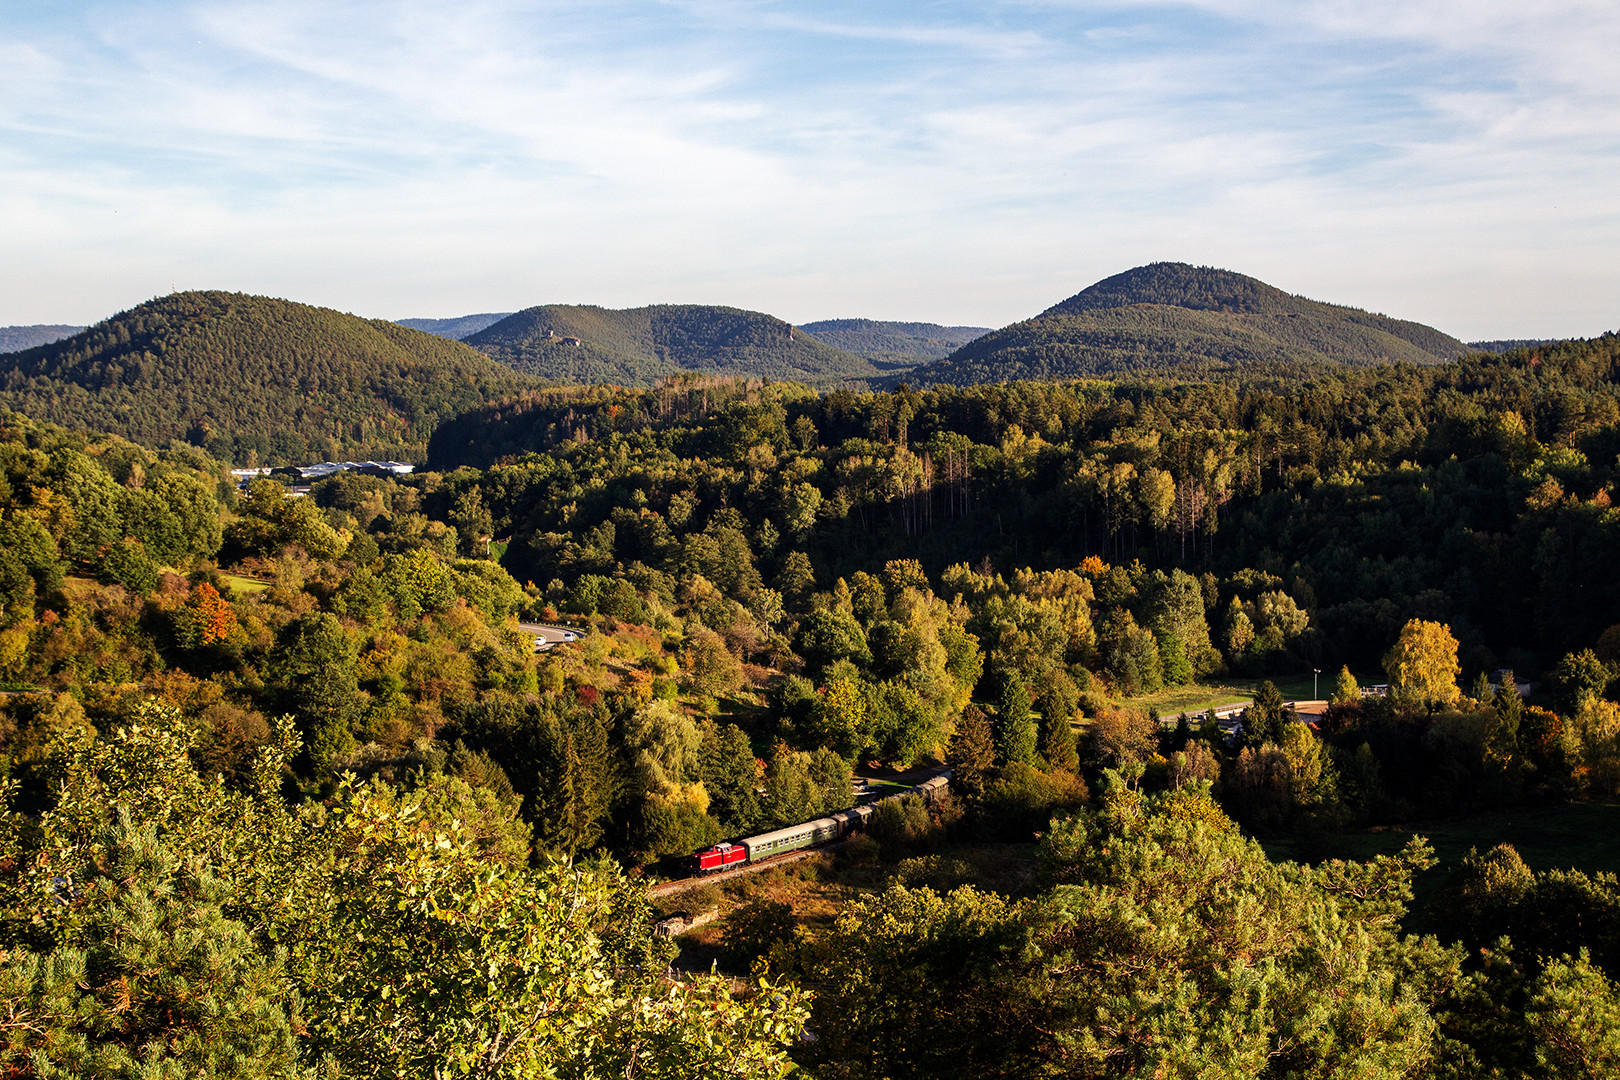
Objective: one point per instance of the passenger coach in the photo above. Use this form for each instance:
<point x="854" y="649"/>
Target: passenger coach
<point x="779" y="841"/>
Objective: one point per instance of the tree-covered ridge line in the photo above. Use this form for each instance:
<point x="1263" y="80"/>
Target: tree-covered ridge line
<point x="457" y="327"/>
<point x="17" y="338"/>
<point x="1510" y="344"/>
<point x="894" y="343"/>
<point x="254" y="380"/>
<point x="571" y="344"/>
<point x="1168" y="316"/>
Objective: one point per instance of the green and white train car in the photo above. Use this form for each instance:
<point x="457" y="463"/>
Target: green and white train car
<point x="808" y="834"/>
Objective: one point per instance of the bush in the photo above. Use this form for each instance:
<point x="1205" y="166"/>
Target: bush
<point x="859" y="850"/>
<point x="1022" y="800"/>
<point x="935" y="872"/>
<point x="903" y="824"/>
<point x="755" y="928"/>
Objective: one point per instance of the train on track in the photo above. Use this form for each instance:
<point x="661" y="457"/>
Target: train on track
<point x="832" y="827"/>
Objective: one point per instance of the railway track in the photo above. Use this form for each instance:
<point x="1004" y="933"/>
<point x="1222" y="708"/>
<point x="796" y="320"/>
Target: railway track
<point x="680" y="885"/>
<point x="750" y="854"/>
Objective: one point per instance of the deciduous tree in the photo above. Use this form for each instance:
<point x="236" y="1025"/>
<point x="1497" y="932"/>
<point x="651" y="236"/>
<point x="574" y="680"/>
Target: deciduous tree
<point x="1422" y="666"/>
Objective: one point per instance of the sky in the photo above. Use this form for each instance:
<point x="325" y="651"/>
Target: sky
<point x="1456" y="162"/>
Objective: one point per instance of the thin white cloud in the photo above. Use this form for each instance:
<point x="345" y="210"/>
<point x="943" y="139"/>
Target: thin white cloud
<point x="968" y="164"/>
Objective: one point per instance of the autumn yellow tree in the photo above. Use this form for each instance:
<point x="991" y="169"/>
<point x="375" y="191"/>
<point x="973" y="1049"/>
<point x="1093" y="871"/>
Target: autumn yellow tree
<point x="1423" y="666"/>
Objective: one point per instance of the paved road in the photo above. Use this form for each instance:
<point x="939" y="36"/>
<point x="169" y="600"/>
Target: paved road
<point x="546" y="635"/>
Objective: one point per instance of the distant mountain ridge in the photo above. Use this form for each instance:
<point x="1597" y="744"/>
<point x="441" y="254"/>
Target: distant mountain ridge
<point x="894" y="342"/>
<point x="1173" y="315"/>
<point x="457" y="327"/>
<point x="567" y="343"/>
<point x="17" y="338"/>
<point x="254" y="379"/>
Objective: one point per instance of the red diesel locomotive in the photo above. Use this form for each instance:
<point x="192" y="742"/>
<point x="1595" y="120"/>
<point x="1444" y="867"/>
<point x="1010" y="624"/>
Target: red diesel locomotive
<point x="719" y="857"/>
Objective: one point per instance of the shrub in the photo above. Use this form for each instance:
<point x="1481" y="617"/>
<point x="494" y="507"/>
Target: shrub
<point x="1022" y="800"/>
<point x="755" y="928"/>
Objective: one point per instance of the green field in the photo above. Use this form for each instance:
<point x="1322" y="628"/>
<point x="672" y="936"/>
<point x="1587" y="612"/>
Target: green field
<point x="241" y="584"/>
<point x="1200" y="697"/>
<point x="887" y="787"/>
<point x="1191" y="700"/>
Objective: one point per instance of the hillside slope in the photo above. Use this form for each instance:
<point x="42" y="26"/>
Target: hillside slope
<point x="1173" y="315"/>
<point x="254" y="379"/>
<point x="16" y="338"/>
<point x="893" y="342"/>
<point x="638" y="346"/>
<point x="457" y="327"/>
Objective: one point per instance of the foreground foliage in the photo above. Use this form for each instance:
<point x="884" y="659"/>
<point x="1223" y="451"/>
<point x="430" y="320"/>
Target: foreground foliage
<point x="1163" y="942"/>
<point x="161" y="923"/>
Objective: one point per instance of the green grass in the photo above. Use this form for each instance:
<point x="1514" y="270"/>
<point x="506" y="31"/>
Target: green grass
<point x="1294" y="688"/>
<point x="1300" y="687"/>
<point x="1192" y="700"/>
<point x="241" y="584"/>
<point x="1200" y="697"/>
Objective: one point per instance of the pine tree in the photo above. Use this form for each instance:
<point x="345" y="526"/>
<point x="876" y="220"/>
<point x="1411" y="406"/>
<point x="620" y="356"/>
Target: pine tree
<point x="972" y="753"/>
<point x="560" y="820"/>
<point x="1015" y="729"/>
<point x="1574" y="1018"/>
<point x="1509" y="706"/>
<point x="155" y="981"/>
<point x="1182" y="735"/>
<point x="1263" y="719"/>
<point x="1058" y="743"/>
<point x="729" y="772"/>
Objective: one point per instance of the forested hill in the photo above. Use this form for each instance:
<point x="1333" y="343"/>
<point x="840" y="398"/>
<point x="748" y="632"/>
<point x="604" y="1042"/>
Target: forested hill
<point x="254" y="379"/>
<point x="894" y="342"/>
<point x="565" y="343"/>
<point x="1173" y="315"/>
<point x="457" y="327"/>
<point x="15" y="338"/>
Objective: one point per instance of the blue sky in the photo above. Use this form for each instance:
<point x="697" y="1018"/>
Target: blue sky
<point x="1452" y="161"/>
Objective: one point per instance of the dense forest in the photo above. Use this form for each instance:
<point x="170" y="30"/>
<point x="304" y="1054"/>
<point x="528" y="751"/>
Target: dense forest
<point x="1474" y="493"/>
<point x="456" y="328"/>
<point x="290" y="792"/>
<point x="1171" y="315"/>
<point x="901" y="344"/>
<point x="254" y="380"/>
<point x="563" y="343"/>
